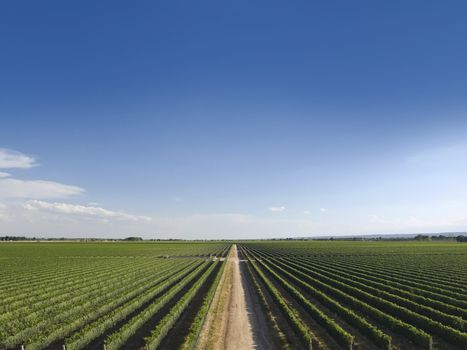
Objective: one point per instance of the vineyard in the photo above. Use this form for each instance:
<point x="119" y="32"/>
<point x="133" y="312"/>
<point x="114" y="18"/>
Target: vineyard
<point x="363" y="295"/>
<point x="112" y="295"/>
<point x="303" y="294"/>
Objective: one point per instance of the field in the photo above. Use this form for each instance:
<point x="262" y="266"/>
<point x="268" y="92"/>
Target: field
<point x="128" y="295"/>
<point x="364" y="295"/>
<point x="218" y="295"/>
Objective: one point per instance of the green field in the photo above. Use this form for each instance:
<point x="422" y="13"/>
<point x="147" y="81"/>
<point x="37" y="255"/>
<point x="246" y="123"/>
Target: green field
<point x="84" y="295"/>
<point x="406" y="295"/>
<point x="330" y="294"/>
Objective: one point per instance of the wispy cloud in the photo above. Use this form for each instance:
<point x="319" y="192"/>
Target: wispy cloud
<point x="10" y="159"/>
<point x="277" y="209"/>
<point x="323" y="210"/>
<point x="12" y="188"/>
<point x="36" y="189"/>
<point x="82" y="210"/>
<point x="307" y="212"/>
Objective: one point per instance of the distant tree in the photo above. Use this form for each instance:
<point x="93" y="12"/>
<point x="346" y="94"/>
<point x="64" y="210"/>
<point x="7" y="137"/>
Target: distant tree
<point x="441" y="238"/>
<point x="13" y="238"/>
<point x="461" y="238"/>
<point x="422" y="238"/>
<point x="133" y="239"/>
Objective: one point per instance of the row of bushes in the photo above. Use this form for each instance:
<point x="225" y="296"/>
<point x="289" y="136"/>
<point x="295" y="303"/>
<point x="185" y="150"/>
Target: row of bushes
<point x="418" y="336"/>
<point x="377" y="281"/>
<point x="429" y="284"/>
<point x="41" y="330"/>
<point x="18" y="291"/>
<point x="304" y="333"/>
<point x="119" y="337"/>
<point x="197" y="324"/>
<point x="436" y="315"/>
<point x="448" y="333"/>
<point x="267" y="307"/>
<point x="168" y="321"/>
<point x="73" y="294"/>
<point x="341" y="336"/>
<point x="120" y="308"/>
<point x="378" y="336"/>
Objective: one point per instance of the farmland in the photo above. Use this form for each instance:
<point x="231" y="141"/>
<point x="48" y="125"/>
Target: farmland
<point x="364" y="295"/>
<point x="218" y="295"/>
<point x="123" y="295"/>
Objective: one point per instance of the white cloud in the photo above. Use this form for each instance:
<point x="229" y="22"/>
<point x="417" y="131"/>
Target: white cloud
<point x="10" y="159"/>
<point x="36" y="214"/>
<point x="306" y="212"/>
<point x="82" y="210"/>
<point x="36" y="189"/>
<point x="277" y="209"/>
<point x="323" y="210"/>
<point x="12" y="188"/>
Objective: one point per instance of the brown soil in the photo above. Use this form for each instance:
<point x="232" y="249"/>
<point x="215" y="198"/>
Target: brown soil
<point x="236" y="319"/>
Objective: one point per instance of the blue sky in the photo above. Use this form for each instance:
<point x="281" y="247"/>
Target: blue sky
<point x="211" y="119"/>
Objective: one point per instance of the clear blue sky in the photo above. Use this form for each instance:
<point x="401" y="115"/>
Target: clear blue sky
<point x="232" y="119"/>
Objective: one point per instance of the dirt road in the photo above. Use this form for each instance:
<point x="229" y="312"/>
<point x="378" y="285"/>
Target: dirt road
<point x="238" y="333"/>
<point x="233" y="313"/>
